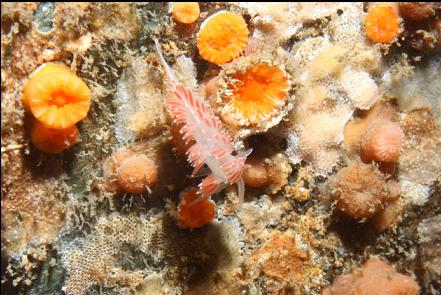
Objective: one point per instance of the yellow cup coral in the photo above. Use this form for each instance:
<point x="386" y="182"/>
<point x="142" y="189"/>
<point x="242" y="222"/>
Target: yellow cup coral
<point x="56" y="96"/>
<point x="258" y="92"/>
<point x="185" y="12"/>
<point x="222" y="37"/>
<point x="53" y="141"/>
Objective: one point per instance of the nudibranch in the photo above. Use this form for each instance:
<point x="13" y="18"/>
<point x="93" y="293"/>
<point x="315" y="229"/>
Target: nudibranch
<point x="212" y="144"/>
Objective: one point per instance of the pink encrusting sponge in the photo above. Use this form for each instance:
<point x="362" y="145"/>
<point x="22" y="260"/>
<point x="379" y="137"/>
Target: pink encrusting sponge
<point x="212" y="144"/>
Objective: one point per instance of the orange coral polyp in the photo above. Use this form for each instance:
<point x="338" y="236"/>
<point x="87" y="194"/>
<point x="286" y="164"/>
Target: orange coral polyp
<point x="195" y="215"/>
<point x="185" y="12"/>
<point x="258" y="92"/>
<point x="53" y="141"/>
<point x="382" y="23"/>
<point x="222" y="37"/>
<point x="56" y="96"/>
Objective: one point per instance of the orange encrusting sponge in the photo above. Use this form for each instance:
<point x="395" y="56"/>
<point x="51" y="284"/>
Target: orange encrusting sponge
<point x="185" y="12"/>
<point x="56" y="96"/>
<point x="222" y="37"/>
<point x="53" y="141"/>
<point x="258" y="92"/>
<point x="382" y="23"/>
<point x="195" y="215"/>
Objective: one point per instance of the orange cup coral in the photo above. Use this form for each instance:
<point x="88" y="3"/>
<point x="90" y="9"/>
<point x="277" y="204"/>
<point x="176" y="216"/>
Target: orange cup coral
<point x="382" y="23"/>
<point x="382" y="142"/>
<point x="258" y="92"/>
<point x="195" y="215"/>
<point x="185" y="12"/>
<point x="222" y="37"/>
<point x="56" y="96"/>
<point x="53" y="141"/>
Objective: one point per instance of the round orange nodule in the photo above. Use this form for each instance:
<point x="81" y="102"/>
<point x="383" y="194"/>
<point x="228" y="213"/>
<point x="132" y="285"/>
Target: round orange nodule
<point x="222" y="37"/>
<point x="56" y="97"/>
<point x="258" y="92"/>
<point x="137" y="174"/>
<point x="196" y="215"/>
<point x="382" y="23"/>
<point x="53" y="141"/>
<point x="185" y="12"/>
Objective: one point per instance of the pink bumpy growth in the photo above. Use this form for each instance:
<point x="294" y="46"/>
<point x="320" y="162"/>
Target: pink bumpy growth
<point x="213" y="145"/>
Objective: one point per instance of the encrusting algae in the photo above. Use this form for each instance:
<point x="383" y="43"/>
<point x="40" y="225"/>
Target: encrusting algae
<point x="262" y="148"/>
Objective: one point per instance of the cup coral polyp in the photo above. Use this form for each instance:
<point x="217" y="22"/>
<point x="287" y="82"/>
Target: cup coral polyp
<point x="222" y="37"/>
<point x="56" y="96"/>
<point x="382" y="142"/>
<point x="382" y="23"/>
<point x="258" y="92"/>
<point x="185" y="12"/>
<point x="53" y="141"/>
<point x="195" y="215"/>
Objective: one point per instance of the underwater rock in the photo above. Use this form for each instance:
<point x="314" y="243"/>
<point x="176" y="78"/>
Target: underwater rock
<point x="314" y="89"/>
<point x="279" y="260"/>
<point x="429" y="247"/>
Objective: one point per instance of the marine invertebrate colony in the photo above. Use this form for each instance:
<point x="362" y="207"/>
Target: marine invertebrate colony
<point x="375" y="277"/>
<point x="197" y="215"/>
<point x="53" y="141"/>
<point x="382" y="23"/>
<point x="258" y="92"/>
<point x="185" y="12"/>
<point x="382" y="142"/>
<point x="56" y="96"/>
<point x="222" y="37"/>
<point x="58" y="99"/>
<point x="360" y="190"/>
<point x="213" y="146"/>
<point x="129" y="171"/>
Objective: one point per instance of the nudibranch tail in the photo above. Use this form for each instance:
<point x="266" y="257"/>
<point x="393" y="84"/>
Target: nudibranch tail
<point x="167" y="68"/>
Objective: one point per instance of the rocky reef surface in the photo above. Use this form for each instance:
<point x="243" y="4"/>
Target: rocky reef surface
<point x="339" y="102"/>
